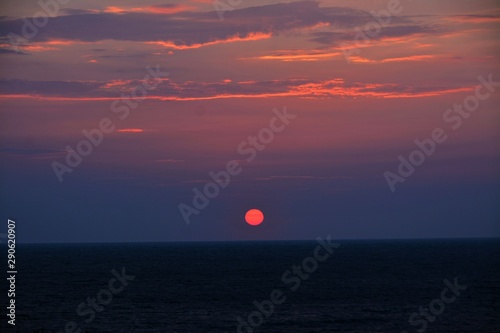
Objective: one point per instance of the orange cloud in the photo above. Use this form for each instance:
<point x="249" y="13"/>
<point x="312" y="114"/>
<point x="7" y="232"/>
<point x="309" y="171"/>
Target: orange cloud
<point x="116" y="83"/>
<point x="36" y="48"/>
<point x="168" y="10"/>
<point x="357" y="59"/>
<point x="247" y="82"/>
<point x="130" y="130"/>
<point x="50" y="45"/>
<point x="114" y="10"/>
<point x="249" y="37"/>
<point x="61" y="42"/>
<point x="361" y="60"/>
<point x="291" y="88"/>
<point x="148" y="9"/>
<point x="329" y="89"/>
<point x="338" y="51"/>
<point x="299" y="55"/>
<point x="385" y="41"/>
<point x="429" y="93"/>
<point x="54" y="98"/>
<point x="410" y="58"/>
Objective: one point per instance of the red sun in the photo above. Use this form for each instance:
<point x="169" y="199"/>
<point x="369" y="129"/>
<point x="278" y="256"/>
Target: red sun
<point x="254" y="217"/>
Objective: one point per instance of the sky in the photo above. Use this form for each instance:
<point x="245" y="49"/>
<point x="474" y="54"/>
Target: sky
<point x="315" y="108"/>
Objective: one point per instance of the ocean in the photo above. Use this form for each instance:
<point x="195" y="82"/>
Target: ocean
<point x="266" y="286"/>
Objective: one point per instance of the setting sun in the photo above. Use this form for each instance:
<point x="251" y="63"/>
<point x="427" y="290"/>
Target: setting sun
<point x="254" y="217"/>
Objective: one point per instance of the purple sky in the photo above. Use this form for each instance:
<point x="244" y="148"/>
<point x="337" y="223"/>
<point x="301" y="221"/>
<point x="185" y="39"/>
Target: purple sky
<point x="361" y="98"/>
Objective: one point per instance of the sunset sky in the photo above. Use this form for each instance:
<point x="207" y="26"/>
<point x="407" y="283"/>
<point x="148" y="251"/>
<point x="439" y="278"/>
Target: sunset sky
<point x="359" y="104"/>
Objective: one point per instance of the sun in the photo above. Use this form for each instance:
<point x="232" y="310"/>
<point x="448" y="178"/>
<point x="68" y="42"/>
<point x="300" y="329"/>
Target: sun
<point x="254" y="217"/>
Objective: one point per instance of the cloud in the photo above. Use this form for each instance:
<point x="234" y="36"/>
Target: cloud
<point x="336" y="43"/>
<point x="336" y="38"/>
<point x="299" y="55"/>
<point x="8" y="51"/>
<point x="231" y="39"/>
<point x="32" y="152"/>
<point x="270" y="178"/>
<point x="492" y="16"/>
<point x="422" y="57"/>
<point x="28" y="48"/>
<point x="77" y="11"/>
<point x="176" y="27"/>
<point x="179" y="29"/>
<point x="167" y="9"/>
<point x="130" y="130"/>
<point x="50" y="88"/>
<point x="169" y="90"/>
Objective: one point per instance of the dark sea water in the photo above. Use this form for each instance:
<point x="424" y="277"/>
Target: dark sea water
<point x="364" y="286"/>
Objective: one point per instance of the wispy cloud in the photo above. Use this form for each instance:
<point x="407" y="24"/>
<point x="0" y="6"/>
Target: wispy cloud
<point x="167" y="9"/>
<point x="169" y="90"/>
<point x="270" y="178"/>
<point x="491" y="16"/>
<point x="299" y="55"/>
<point x="230" y="39"/>
<point x="130" y="130"/>
<point x="32" y="152"/>
<point x="178" y="28"/>
<point x="423" y="57"/>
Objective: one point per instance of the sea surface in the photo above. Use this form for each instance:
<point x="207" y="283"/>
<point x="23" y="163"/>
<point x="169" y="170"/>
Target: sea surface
<point x="362" y="286"/>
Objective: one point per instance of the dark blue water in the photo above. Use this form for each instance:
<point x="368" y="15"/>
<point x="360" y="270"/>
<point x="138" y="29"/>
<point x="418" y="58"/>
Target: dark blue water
<point x="363" y="286"/>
